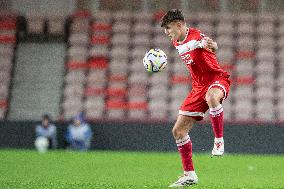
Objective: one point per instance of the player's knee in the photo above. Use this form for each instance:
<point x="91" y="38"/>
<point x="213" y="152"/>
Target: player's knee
<point x="211" y="98"/>
<point x="179" y="132"/>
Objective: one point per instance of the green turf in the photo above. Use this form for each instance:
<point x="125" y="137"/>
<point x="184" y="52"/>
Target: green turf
<point x="62" y="169"/>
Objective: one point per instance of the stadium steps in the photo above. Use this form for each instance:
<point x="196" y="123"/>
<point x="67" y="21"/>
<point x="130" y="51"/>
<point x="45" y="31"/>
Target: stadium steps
<point x="38" y="80"/>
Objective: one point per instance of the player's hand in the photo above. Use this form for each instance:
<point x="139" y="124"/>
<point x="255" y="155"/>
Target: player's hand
<point x="210" y="44"/>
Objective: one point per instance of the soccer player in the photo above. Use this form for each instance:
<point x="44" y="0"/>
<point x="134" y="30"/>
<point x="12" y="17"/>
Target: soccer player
<point x="210" y="86"/>
<point x="48" y="130"/>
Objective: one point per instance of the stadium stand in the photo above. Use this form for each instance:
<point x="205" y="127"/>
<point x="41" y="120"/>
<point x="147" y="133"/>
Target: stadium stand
<point x="8" y="30"/>
<point x="105" y="75"/>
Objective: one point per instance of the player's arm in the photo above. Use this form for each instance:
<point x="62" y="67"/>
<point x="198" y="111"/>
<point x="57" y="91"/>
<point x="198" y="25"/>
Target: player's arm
<point x="210" y="44"/>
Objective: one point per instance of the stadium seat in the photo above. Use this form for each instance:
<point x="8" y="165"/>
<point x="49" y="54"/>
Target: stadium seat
<point x="139" y="52"/>
<point x="244" y="110"/>
<point x="266" y="42"/>
<point x="99" y="50"/>
<point x="225" y="27"/>
<point x="225" y="54"/>
<point x="115" y="114"/>
<point x="246" y="43"/>
<point x="97" y="78"/>
<point x="141" y="40"/>
<point x="243" y="92"/>
<point x="265" y="110"/>
<point x="75" y="77"/>
<point x="228" y="109"/>
<point x="122" y="16"/>
<point x="160" y="79"/>
<point x="77" y="53"/>
<point x="2" y="113"/>
<point x="35" y="22"/>
<point x="143" y="27"/>
<point x="158" y="92"/>
<point x="265" y="54"/>
<point x="119" y="52"/>
<point x="265" y="67"/>
<point x="79" y="39"/>
<point x="137" y="90"/>
<point x="264" y="80"/>
<point x="205" y="27"/>
<point x="158" y="109"/>
<point x="143" y="17"/>
<point x="265" y="28"/>
<point x="266" y="93"/>
<point x="280" y="108"/>
<point x="244" y="68"/>
<point x="79" y="25"/>
<point x="72" y="90"/>
<point x="103" y="16"/>
<point x="251" y="48"/>
<point x="161" y="41"/>
<point x="280" y="80"/>
<point x="4" y="91"/>
<point x="56" y="23"/>
<point x="245" y="28"/>
<point x="121" y="27"/>
<point x="137" y="115"/>
<point x="71" y="107"/>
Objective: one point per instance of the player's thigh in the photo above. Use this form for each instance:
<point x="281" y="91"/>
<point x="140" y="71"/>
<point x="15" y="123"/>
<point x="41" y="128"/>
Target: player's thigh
<point x="182" y="126"/>
<point x="214" y="94"/>
<point x="218" y="90"/>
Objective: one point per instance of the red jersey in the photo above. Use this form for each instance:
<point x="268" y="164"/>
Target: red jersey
<point x="201" y="63"/>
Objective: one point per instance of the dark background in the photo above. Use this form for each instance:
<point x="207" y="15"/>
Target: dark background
<point x="244" y="138"/>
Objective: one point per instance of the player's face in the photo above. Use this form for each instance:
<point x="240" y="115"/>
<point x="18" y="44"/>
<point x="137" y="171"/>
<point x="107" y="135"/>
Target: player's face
<point x="173" y="30"/>
<point x="45" y="122"/>
<point x="77" y="122"/>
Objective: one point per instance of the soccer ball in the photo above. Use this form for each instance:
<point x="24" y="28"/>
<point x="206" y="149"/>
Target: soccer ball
<point x="41" y="144"/>
<point x="155" y="60"/>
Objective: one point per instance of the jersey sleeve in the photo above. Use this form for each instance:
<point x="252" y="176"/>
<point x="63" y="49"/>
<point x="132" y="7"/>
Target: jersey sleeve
<point x="201" y="37"/>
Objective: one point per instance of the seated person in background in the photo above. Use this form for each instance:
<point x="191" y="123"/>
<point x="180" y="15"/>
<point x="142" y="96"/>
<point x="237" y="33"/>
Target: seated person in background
<point x="47" y="130"/>
<point x="79" y="134"/>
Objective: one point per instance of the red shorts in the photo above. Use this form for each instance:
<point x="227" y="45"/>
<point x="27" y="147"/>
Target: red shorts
<point x="195" y="104"/>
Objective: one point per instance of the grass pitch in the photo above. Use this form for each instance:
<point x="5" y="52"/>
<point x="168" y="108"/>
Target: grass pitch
<point x="62" y="169"/>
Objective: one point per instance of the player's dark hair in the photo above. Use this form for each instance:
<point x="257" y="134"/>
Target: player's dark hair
<point x="46" y="117"/>
<point x="171" y="16"/>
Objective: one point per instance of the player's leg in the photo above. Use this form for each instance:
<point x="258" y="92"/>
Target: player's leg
<point x="214" y="97"/>
<point x="180" y="132"/>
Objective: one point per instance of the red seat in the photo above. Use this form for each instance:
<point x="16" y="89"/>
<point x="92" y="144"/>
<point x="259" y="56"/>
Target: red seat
<point x="244" y="80"/>
<point x="175" y="79"/>
<point x="227" y="66"/>
<point x="90" y="91"/>
<point x="118" y="92"/>
<point x="98" y="63"/>
<point x="101" y="27"/>
<point x="7" y="39"/>
<point x="116" y="104"/>
<point x="100" y="39"/>
<point x="137" y="105"/>
<point x="3" y="104"/>
<point x="245" y="54"/>
<point x="75" y="65"/>
<point x="137" y="90"/>
<point x="117" y="78"/>
<point x="82" y="14"/>
<point x="8" y="25"/>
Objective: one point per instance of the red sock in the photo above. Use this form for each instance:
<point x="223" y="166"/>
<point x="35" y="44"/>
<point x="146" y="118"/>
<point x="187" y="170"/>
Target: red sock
<point x="185" y="149"/>
<point x="217" y="116"/>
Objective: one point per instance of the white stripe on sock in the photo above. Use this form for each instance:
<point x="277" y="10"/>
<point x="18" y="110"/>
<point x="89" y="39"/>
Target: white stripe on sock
<point x="183" y="141"/>
<point x="216" y="110"/>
